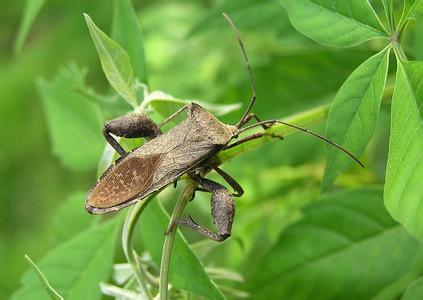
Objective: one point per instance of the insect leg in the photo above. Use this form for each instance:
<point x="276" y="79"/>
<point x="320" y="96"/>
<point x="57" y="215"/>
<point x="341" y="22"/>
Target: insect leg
<point x="253" y="116"/>
<point x="222" y="210"/>
<point x="252" y="137"/>
<point x="172" y="116"/>
<point x="239" y="191"/>
<point x="130" y="126"/>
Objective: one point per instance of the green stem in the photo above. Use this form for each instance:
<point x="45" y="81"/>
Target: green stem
<point x="399" y="52"/>
<point x="127" y="244"/>
<point x="170" y="237"/>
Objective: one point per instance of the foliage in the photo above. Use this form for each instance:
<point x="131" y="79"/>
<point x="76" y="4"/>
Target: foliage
<point x="345" y="63"/>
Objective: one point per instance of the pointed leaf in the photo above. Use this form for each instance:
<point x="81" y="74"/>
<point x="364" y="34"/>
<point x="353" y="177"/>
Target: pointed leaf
<point x="31" y="10"/>
<point x="126" y="31"/>
<point x="76" y="267"/>
<point x="342" y="23"/>
<point x="74" y="122"/>
<point x="337" y="251"/>
<point x="353" y="114"/>
<point x="184" y="263"/>
<point x="115" y="63"/>
<point x="403" y="189"/>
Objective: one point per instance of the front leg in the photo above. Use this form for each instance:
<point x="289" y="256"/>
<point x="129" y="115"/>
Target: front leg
<point x="251" y="116"/>
<point x="130" y="126"/>
<point x="251" y="137"/>
<point x="222" y="211"/>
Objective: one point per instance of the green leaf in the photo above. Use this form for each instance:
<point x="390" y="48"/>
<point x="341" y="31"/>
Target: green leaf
<point x="115" y="63"/>
<point x="31" y="10"/>
<point x="388" y="8"/>
<point x="403" y="189"/>
<point x="413" y="9"/>
<point x="343" y="23"/>
<point x="246" y="14"/>
<point x="184" y="263"/>
<point x="126" y="31"/>
<point x="166" y="105"/>
<point x="75" y="267"/>
<point x="353" y="114"/>
<point x="110" y="154"/>
<point x="44" y="281"/>
<point x="417" y="44"/>
<point x="414" y="291"/>
<point x="74" y="122"/>
<point x="337" y="251"/>
<point x="71" y="218"/>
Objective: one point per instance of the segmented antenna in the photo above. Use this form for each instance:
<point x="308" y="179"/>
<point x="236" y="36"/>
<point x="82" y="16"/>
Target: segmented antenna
<point x="249" y="69"/>
<point x="253" y="99"/>
<point x="308" y="132"/>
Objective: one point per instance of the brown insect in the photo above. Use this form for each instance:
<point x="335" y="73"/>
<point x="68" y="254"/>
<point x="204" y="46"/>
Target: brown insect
<point x="188" y="148"/>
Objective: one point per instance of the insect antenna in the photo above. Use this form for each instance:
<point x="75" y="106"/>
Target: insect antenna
<point x="249" y="69"/>
<point x="308" y="132"/>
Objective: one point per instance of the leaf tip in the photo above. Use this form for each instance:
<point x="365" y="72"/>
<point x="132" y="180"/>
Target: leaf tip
<point x="87" y="18"/>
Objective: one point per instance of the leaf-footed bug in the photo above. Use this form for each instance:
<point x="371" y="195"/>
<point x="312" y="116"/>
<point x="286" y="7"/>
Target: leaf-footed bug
<point x="188" y="148"/>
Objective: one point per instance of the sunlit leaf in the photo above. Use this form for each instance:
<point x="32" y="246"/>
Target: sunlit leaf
<point x="74" y="122"/>
<point x="353" y="114"/>
<point x="126" y="31"/>
<point x="31" y="10"/>
<point x="76" y="267"/>
<point x="224" y="274"/>
<point x="338" y="250"/>
<point x="342" y="23"/>
<point x="122" y="273"/>
<point x="115" y="63"/>
<point x="184" y="263"/>
<point x="403" y="189"/>
<point x="119" y="293"/>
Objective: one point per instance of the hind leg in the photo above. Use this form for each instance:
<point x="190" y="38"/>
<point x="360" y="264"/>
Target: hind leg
<point x="222" y="211"/>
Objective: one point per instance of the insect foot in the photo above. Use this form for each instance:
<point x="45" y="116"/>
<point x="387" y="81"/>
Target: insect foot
<point x="222" y="211"/>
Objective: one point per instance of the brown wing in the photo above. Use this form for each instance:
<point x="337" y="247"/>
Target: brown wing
<point x="123" y="182"/>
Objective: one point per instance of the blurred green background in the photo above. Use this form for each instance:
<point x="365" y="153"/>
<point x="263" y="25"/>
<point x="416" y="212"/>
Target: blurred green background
<point x="191" y="54"/>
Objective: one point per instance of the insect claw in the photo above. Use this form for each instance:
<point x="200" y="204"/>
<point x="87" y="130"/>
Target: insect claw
<point x="192" y="220"/>
<point x="192" y="196"/>
<point x="278" y="136"/>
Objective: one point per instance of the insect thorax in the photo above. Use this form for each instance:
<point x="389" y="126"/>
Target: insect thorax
<point x="211" y="127"/>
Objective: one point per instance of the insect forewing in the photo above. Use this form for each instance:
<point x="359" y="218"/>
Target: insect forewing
<point x="124" y="181"/>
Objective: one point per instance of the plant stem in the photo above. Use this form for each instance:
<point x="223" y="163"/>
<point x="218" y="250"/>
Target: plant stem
<point x="127" y="244"/>
<point x="395" y="42"/>
<point x="170" y="237"/>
